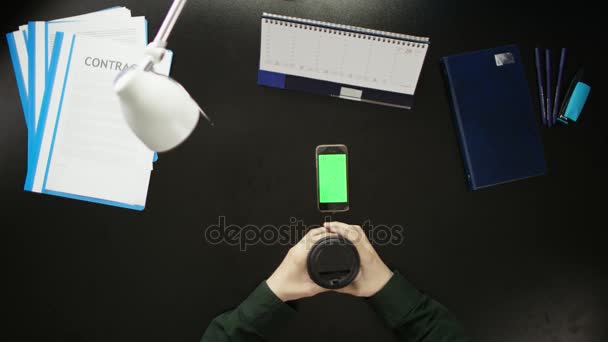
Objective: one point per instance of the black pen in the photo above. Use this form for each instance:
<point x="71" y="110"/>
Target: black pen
<point x="548" y="92"/>
<point x="558" y="85"/>
<point x="541" y="94"/>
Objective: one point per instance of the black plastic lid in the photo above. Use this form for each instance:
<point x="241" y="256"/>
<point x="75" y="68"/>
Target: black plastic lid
<point x="333" y="262"/>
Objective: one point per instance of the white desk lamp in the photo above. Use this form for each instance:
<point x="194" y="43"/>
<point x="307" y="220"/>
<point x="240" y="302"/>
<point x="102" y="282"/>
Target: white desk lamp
<point x="158" y="109"/>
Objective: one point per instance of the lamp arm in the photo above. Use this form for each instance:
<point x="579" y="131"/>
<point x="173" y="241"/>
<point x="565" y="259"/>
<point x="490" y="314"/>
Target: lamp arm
<point x="156" y="50"/>
<point x="167" y="26"/>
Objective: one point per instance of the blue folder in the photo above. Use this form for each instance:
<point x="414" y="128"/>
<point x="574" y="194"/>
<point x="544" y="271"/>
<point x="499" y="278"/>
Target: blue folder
<point x="35" y="133"/>
<point x="496" y="125"/>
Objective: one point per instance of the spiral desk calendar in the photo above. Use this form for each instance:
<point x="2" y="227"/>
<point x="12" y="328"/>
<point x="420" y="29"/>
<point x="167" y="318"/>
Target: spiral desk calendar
<point x="338" y="60"/>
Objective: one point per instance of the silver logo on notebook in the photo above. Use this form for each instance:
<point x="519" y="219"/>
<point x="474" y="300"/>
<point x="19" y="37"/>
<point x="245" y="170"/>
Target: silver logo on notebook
<point x="504" y="59"/>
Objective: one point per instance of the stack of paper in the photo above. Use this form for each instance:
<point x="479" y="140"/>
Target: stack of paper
<point x="79" y="144"/>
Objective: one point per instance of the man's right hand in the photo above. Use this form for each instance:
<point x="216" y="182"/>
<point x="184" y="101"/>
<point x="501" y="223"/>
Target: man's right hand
<point x="374" y="274"/>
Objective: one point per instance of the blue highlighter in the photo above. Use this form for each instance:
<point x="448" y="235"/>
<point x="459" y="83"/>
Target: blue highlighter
<point x="575" y="99"/>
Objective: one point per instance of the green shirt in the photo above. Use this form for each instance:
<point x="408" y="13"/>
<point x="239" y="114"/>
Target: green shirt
<point x="411" y="315"/>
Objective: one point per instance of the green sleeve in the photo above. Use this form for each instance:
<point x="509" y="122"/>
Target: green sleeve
<point x="260" y="314"/>
<point x="413" y="316"/>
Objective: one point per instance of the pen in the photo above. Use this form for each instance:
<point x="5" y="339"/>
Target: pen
<point x="558" y="85"/>
<point x="540" y="86"/>
<point x="548" y="92"/>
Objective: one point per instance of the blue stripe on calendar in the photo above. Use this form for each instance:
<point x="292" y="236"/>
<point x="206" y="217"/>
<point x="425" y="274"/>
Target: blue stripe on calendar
<point x="310" y="85"/>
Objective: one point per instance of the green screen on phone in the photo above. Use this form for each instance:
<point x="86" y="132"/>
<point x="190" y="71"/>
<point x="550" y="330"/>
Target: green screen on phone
<point x="332" y="178"/>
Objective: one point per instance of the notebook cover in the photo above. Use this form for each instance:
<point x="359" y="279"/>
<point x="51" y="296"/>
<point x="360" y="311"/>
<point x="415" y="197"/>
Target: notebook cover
<point x="496" y="126"/>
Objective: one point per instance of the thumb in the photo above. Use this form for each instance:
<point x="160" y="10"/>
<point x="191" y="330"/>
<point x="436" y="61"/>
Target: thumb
<point x="352" y="233"/>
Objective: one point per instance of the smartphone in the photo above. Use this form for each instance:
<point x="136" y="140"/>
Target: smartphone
<point x="332" y="178"/>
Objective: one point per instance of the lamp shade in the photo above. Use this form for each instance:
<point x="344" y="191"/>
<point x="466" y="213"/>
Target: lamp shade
<point x="158" y="109"/>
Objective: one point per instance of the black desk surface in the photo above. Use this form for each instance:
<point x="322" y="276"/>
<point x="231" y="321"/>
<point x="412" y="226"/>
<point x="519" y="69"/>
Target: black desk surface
<point x="519" y="262"/>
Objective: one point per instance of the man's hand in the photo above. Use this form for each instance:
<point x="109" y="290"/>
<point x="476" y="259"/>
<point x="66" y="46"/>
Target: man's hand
<point x="373" y="274"/>
<point x="290" y="281"/>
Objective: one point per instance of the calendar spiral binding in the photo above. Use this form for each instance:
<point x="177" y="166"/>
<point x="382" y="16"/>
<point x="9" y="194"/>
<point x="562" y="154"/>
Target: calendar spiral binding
<point x="347" y="30"/>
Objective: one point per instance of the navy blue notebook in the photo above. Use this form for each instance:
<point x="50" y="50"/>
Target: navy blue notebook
<point x="497" y="129"/>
